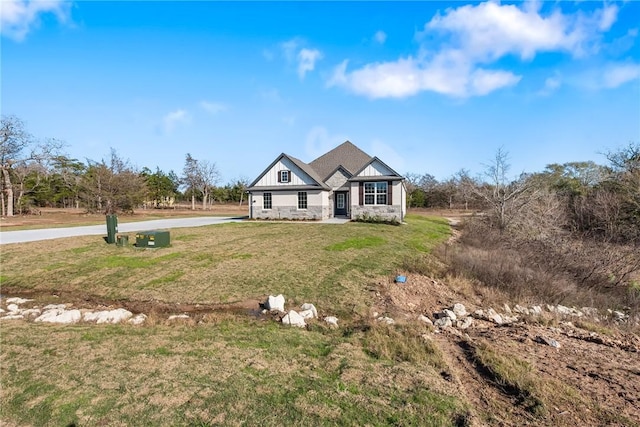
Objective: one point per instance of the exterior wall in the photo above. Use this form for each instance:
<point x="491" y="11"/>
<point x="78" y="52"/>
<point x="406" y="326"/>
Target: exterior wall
<point x="376" y="169"/>
<point x="397" y="210"/>
<point x="298" y="176"/>
<point x="285" y="205"/>
<point x="337" y="180"/>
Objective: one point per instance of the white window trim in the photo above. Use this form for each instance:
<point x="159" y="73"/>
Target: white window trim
<point x="306" y="200"/>
<point x="264" y="208"/>
<point x="282" y="174"/>
<point x="375" y="193"/>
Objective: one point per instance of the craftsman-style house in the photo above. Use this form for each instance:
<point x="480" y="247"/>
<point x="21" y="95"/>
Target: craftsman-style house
<point x="345" y="182"/>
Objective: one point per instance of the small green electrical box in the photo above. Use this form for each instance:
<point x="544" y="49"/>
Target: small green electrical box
<point x="152" y="239"/>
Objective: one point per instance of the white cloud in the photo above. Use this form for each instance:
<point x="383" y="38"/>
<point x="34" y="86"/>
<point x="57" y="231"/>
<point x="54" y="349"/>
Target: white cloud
<point x="304" y="58"/>
<point x="213" y="107"/>
<point x="380" y="37"/>
<point x="473" y="38"/>
<point x="618" y="74"/>
<point x="446" y="74"/>
<point x="319" y="141"/>
<point x="175" y="118"/>
<point x="18" y="17"/>
<point x="307" y="61"/>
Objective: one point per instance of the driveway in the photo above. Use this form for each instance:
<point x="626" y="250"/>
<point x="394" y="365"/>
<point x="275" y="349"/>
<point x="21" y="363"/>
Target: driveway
<point x="22" y="236"/>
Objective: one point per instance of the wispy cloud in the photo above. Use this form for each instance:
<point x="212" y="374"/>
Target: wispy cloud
<point x="551" y="84"/>
<point x="307" y="61"/>
<point x="171" y="120"/>
<point x="19" y="17"/>
<point x="305" y="58"/>
<point x="213" y="107"/>
<point x="616" y="75"/>
<point x="473" y="39"/>
<point x="380" y="37"/>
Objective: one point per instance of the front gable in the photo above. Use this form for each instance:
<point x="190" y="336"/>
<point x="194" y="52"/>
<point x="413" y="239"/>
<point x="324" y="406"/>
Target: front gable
<point x="338" y="178"/>
<point x="297" y="177"/>
<point x="376" y="167"/>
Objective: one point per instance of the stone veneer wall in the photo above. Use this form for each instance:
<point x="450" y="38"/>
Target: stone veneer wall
<point x="387" y="212"/>
<point x="292" y="212"/>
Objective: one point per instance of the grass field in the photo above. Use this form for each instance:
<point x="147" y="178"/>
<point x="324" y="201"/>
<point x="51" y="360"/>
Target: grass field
<point x="229" y="368"/>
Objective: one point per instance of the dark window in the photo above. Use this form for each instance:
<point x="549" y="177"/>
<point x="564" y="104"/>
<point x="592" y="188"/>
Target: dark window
<point x="302" y="200"/>
<point x="266" y="201"/>
<point x="284" y="176"/>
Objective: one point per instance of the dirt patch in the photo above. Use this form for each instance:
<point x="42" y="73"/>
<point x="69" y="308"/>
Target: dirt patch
<point x="596" y="376"/>
<point x="78" y="300"/>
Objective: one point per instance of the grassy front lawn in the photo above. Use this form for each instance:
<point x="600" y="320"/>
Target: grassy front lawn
<point x="230" y="369"/>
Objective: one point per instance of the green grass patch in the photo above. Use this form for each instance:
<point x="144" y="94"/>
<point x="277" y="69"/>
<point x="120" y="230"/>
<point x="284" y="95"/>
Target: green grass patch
<point x="357" y="243"/>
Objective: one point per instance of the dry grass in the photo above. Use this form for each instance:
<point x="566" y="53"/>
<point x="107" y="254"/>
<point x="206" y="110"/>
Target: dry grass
<point x="225" y="263"/>
<point x="221" y="368"/>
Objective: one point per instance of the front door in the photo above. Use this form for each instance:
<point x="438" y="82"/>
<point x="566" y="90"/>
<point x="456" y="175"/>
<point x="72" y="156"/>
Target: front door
<point x="341" y="204"/>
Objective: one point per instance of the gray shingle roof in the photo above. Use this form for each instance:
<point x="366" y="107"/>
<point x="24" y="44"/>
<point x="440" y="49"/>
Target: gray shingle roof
<point x="308" y="170"/>
<point x="346" y="155"/>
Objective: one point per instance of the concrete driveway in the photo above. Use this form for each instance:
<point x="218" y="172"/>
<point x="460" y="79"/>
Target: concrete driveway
<point x="21" y="236"/>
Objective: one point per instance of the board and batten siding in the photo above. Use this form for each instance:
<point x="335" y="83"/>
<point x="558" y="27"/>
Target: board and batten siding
<point x="376" y="168"/>
<point x="298" y="176"/>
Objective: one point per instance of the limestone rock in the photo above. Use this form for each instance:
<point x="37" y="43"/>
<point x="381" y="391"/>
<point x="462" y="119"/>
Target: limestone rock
<point x="306" y="314"/>
<point x="12" y="317"/>
<point x="31" y="312"/>
<point x="13" y="308"/>
<point x="138" y="319"/>
<point x="294" y="319"/>
<point x="464" y="323"/>
<point x="521" y="310"/>
<point x="332" y="321"/>
<point x="108" y="316"/>
<point x="60" y="316"/>
<point x="450" y="314"/>
<point x="311" y="307"/>
<point x="387" y="320"/>
<point x="506" y="308"/>
<point x="443" y="322"/>
<point x="178" y="316"/>
<point x="535" y="310"/>
<point x="548" y="341"/>
<point x="275" y="303"/>
<point x="494" y="317"/>
<point x="425" y="319"/>
<point x="459" y="310"/>
<point x="16" y="300"/>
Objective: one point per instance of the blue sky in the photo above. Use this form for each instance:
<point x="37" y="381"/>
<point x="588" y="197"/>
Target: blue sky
<point x="429" y="87"/>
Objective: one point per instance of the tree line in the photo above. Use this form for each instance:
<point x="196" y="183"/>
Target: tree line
<point x="583" y="197"/>
<point x="37" y="173"/>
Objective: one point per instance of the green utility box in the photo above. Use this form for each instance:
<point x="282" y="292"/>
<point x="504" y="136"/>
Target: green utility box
<point x="112" y="228"/>
<point x="152" y="239"/>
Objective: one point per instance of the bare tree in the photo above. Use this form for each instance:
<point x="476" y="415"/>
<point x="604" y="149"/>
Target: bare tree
<point x="208" y="178"/>
<point x="506" y="197"/>
<point x="18" y="149"/>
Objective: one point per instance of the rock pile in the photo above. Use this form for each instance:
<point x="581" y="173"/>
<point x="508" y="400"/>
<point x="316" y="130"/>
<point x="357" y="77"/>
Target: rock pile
<point x="66" y="314"/>
<point x="275" y="304"/>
